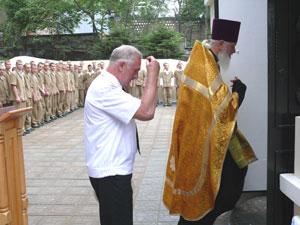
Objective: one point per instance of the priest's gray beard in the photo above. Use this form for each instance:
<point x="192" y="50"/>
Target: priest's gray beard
<point x="224" y="60"/>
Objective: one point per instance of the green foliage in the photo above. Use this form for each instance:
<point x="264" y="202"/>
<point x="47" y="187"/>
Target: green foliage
<point x="150" y="9"/>
<point x="56" y="16"/>
<point x="5" y="58"/>
<point x="57" y="46"/>
<point x="16" y="21"/>
<point x="32" y="15"/>
<point x="192" y="9"/>
<point x="162" y="43"/>
<point x="104" y="46"/>
<point x="61" y="17"/>
<point x="98" y="11"/>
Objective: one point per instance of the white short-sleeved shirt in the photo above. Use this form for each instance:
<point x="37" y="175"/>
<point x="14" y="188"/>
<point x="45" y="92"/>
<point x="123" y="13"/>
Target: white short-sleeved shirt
<point x="110" y="130"/>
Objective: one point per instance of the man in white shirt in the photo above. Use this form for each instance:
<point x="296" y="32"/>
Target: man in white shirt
<point x="110" y="131"/>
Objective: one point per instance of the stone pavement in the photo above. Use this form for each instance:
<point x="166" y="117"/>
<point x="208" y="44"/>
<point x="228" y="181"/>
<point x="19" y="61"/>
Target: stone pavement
<point x="58" y="187"/>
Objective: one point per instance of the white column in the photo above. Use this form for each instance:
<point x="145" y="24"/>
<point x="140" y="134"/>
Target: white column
<point x="297" y="157"/>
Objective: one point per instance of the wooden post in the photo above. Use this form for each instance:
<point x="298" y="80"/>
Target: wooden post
<point x="13" y="199"/>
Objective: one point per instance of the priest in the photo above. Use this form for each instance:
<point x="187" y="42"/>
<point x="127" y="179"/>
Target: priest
<point x="208" y="157"/>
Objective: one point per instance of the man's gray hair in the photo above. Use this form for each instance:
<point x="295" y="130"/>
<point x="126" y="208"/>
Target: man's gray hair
<point x="209" y="42"/>
<point x="126" y="53"/>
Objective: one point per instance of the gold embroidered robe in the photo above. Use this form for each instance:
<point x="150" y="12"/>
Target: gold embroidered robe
<point x="205" y="119"/>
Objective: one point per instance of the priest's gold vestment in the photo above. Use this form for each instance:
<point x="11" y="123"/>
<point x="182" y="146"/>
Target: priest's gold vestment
<point x="204" y="122"/>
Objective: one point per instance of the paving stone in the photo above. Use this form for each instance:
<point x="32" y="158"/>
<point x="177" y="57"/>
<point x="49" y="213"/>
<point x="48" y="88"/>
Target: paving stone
<point x="55" y="220"/>
<point x="145" y="216"/>
<point x="84" y="220"/>
<point x="58" y="185"/>
<point x="34" y="220"/>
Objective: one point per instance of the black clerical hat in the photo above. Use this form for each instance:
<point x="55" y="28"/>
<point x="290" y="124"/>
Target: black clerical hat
<point x="226" y="30"/>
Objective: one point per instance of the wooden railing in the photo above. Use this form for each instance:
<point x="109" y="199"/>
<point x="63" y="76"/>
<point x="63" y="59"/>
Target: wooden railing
<point x="13" y="199"/>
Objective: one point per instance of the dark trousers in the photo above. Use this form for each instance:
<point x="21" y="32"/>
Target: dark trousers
<point x="115" y="199"/>
<point x="231" y="187"/>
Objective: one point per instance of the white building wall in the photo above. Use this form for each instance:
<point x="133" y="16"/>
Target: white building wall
<point x="250" y="65"/>
<point x="84" y="27"/>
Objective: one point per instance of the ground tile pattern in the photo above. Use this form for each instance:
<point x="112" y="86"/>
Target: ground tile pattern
<point x="58" y="187"/>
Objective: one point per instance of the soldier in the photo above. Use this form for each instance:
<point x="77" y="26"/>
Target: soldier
<point x="68" y="87"/>
<point x="81" y="64"/>
<point x="82" y="67"/>
<point x="40" y="78"/>
<point x="7" y="74"/>
<point x="17" y="88"/>
<point x="178" y="77"/>
<point x="4" y="93"/>
<point x="76" y="78"/>
<point x="61" y="88"/>
<point x="166" y="75"/>
<point x="28" y="86"/>
<point x="102" y="65"/>
<point x="89" y="77"/>
<point x="94" y="66"/>
<point x="48" y="92"/>
<point x="37" y="107"/>
<point x="140" y="83"/>
<point x="55" y="91"/>
<point x="80" y="87"/>
<point x="72" y="79"/>
<point x="76" y="68"/>
<point x="99" y="66"/>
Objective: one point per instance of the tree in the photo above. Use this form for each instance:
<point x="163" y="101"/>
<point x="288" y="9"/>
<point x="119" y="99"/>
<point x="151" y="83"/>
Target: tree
<point x="16" y="22"/>
<point x="98" y="11"/>
<point x="188" y="11"/>
<point x="148" y="11"/>
<point x="31" y="15"/>
<point x="112" y="22"/>
<point x="118" y="36"/>
<point x="192" y="9"/>
<point x="162" y="43"/>
<point x="56" y="16"/>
